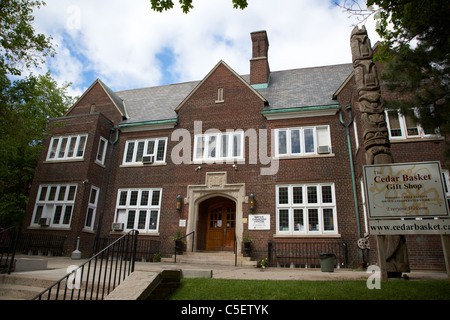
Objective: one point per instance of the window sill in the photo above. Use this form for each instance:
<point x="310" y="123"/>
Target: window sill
<point x="37" y="227"/>
<point x="140" y="233"/>
<point x="64" y="160"/>
<point x="141" y="165"/>
<point x="328" y="155"/>
<point x="416" y="139"/>
<point x="220" y="161"/>
<point x="100" y="164"/>
<point x="296" y="236"/>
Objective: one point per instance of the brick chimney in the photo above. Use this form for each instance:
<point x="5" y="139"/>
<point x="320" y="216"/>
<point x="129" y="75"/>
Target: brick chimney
<point x="259" y="64"/>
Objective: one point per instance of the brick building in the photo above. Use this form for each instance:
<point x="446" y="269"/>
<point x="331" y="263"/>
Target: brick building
<point x="231" y="156"/>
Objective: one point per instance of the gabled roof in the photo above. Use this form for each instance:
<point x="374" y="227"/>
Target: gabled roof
<point x="221" y="62"/>
<point x="115" y="99"/>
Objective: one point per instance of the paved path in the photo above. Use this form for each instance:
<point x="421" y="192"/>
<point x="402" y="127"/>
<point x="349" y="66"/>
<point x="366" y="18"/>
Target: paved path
<point x="57" y="267"/>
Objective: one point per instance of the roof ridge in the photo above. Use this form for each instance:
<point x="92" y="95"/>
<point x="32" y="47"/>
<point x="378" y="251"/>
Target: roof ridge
<point x="241" y="75"/>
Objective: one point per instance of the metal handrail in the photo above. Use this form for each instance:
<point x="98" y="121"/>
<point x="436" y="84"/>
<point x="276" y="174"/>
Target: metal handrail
<point x="116" y="263"/>
<point x="179" y="239"/>
<point x="8" y="249"/>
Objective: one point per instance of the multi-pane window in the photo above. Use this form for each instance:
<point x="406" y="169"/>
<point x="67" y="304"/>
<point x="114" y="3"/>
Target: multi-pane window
<point x="219" y="146"/>
<point x="139" y="151"/>
<point x="67" y="147"/>
<point x="402" y="127"/>
<point x="101" y="151"/>
<point x="302" y="141"/>
<point x="92" y="208"/>
<point x="306" y="209"/>
<point x="54" y="205"/>
<point x="139" y="209"/>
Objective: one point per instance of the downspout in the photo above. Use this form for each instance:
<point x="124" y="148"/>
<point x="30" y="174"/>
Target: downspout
<point x="347" y="125"/>
<point x="105" y="186"/>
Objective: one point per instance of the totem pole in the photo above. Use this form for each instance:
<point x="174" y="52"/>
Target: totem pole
<point x="392" y="253"/>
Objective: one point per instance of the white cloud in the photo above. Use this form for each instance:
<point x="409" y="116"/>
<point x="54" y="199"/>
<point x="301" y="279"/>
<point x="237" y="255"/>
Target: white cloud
<point x="118" y="41"/>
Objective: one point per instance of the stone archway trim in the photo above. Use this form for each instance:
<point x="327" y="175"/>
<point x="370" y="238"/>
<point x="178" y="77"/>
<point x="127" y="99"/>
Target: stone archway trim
<point x="216" y="185"/>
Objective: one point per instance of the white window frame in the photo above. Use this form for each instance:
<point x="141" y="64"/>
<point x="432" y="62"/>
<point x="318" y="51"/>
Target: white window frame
<point x="136" y="158"/>
<point x="291" y="207"/>
<point x="289" y="134"/>
<point x="92" y="206"/>
<point x="404" y="128"/>
<point x="67" y="147"/>
<point x="219" y="147"/>
<point x="53" y="201"/>
<point x="129" y="212"/>
<point x="446" y="180"/>
<point x="101" y="151"/>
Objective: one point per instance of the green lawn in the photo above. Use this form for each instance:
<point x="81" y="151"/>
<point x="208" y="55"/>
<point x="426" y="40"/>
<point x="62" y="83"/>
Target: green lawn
<point x="222" y="289"/>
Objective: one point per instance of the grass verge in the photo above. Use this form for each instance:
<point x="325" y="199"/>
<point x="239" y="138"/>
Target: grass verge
<point x="224" y="289"/>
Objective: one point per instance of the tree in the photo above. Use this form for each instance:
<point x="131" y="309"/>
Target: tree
<point x="21" y="47"/>
<point x="415" y="52"/>
<point x="26" y="104"/>
<point x="186" y="5"/>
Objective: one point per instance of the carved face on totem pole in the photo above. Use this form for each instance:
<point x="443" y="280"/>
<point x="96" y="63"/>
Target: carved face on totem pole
<point x="375" y="131"/>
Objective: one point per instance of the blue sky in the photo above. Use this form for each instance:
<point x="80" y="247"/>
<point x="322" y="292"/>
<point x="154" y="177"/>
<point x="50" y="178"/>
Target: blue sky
<point x="129" y="46"/>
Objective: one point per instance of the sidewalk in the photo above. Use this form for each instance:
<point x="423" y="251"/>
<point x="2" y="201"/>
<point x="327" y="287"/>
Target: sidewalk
<point x="57" y="268"/>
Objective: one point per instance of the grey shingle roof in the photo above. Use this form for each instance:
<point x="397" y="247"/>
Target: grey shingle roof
<point x="155" y="103"/>
<point x="305" y="87"/>
<point x="295" y="88"/>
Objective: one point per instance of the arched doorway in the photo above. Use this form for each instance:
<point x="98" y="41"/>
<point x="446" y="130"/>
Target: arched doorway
<point x="200" y="197"/>
<point x="217" y="224"/>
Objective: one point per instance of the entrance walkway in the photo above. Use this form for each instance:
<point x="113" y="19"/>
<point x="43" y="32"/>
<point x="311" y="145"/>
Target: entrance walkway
<point x="27" y="284"/>
<point x="57" y="266"/>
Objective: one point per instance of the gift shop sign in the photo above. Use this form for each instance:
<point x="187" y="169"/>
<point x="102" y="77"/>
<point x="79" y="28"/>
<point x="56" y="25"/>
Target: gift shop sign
<point x="405" y="190"/>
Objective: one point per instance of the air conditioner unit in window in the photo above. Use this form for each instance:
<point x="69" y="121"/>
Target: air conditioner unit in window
<point x="323" y="149"/>
<point x="116" y="226"/>
<point x="44" y="222"/>
<point x="147" y="159"/>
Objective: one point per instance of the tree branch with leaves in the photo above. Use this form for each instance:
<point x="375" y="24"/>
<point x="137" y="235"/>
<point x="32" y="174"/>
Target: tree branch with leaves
<point x="186" y="5"/>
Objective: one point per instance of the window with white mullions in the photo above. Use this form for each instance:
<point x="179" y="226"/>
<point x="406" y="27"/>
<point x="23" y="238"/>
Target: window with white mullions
<point x="137" y="150"/>
<point x="54" y="205"/>
<point x="101" y="151"/>
<point x="306" y="209"/>
<point x="67" y="147"/>
<point x="219" y="147"/>
<point x="139" y="209"/>
<point x="404" y="127"/>
<point x="302" y="141"/>
<point x="92" y="208"/>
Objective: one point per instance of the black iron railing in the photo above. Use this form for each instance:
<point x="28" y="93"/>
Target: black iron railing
<point x="306" y="254"/>
<point x="98" y="276"/>
<point x="179" y="244"/>
<point x="8" y="244"/>
<point x="41" y="244"/>
<point x="145" y="248"/>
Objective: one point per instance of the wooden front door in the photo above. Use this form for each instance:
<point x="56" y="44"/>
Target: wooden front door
<point x="221" y="226"/>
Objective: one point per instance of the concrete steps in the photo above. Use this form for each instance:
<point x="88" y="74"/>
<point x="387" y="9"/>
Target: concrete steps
<point x="225" y="258"/>
<point x="19" y="287"/>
